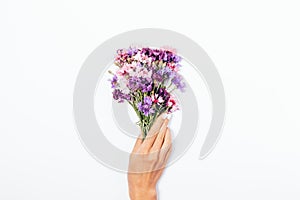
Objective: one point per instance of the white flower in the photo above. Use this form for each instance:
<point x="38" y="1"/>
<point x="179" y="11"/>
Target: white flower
<point x="144" y="73"/>
<point x="123" y="86"/>
<point x="138" y="57"/>
<point x="127" y="68"/>
<point x="158" y="100"/>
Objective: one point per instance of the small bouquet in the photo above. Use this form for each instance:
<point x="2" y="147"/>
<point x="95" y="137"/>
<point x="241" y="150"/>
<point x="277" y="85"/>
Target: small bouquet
<point x="145" y="78"/>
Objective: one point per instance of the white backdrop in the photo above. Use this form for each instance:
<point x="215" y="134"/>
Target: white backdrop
<point x="254" y="44"/>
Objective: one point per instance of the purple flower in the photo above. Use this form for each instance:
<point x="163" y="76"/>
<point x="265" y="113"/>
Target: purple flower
<point x="147" y="100"/>
<point x="146" y="106"/>
<point x="134" y="83"/>
<point x="165" y="56"/>
<point x="149" y="71"/>
<point x="160" y="96"/>
<point x="146" y="51"/>
<point x="138" y="83"/>
<point x="114" y="81"/>
<point x="118" y="95"/>
<point x="157" y="76"/>
<point x="177" y="59"/>
<point x="169" y="73"/>
<point x="147" y="87"/>
<point x="178" y="82"/>
<point x="132" y="51"/>
<point x="162" y="92"/>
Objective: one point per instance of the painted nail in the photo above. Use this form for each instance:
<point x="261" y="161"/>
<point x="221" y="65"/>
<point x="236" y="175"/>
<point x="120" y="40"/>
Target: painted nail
<point x="164" y="115"/>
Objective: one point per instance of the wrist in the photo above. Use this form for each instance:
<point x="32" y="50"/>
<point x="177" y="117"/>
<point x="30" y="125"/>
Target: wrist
<point x="143" y="194"/>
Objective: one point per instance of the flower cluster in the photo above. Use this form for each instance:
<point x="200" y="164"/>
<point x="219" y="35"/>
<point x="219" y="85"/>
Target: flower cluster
<point x="145" y="79"/>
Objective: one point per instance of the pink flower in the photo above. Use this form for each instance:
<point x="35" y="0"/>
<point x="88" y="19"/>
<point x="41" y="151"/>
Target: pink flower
<point x="144" y="73"/>
<point x="172" y="104"/>
<point x="169" y="48"/>
<point x="157" y="99"/>
<point x="138" y="57"/>
<point x="126" y="69"/>
<point x="173" y="67"/>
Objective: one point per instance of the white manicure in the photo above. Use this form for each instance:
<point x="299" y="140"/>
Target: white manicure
<point x="165" y="115"/>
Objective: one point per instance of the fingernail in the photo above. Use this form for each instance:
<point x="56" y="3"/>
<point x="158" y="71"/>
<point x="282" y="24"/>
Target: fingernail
<point x="164" y="115"/>
<point x="169" y="116"/>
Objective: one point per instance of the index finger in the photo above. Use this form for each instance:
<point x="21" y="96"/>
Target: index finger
<point x="157" y="124"/>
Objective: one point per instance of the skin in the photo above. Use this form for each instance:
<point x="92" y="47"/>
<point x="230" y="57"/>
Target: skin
<point x="148" y="160"/>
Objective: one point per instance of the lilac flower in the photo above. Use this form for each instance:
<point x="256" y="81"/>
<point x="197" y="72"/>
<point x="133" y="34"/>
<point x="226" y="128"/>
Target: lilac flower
<point x="157" y="76"/>
<point x="118" y="95"/>
<point x="168" y="72"/>
<point x="145" y="84"/>
<point x="132" y="51"/>
<point x="178" y="82"/>
<point x="163" y="74"/>
<point x="143" y="72"/>
<point x="147" y="100"/>
<point x="177" y="59"/>
<point x="146" y="51"/>
<point x="114" y="81"/>
<point x="143" y="79"/>
<point x="165" y="56"/>
<point x="162" y="92"/>
<point x="145" y="106"/>
<point x="147" y="87"/>
<point x="134" y="83"/>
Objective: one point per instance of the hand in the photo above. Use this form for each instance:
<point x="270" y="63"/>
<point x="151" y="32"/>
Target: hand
<point x="148" y="159"/>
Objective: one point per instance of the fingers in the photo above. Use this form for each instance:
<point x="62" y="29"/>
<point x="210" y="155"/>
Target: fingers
<point x="157" y="124"/>
<point x="154" y="142"/>
<point x="152" y="134"/>
<point x="137" y="144"/>
<point x="152" y="153"/>
<point x="164" y="151"/>
<point x="166" y="147"/>
<point x="168" y="139"/>
<point x="155" y="135"/>
<point x="168" y="154"/>
<point x="160" y="136"/>
<point x="147" y="143"/>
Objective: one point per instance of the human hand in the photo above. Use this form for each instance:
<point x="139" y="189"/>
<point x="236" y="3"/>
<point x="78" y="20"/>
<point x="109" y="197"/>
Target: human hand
<point x="148" y="159"/>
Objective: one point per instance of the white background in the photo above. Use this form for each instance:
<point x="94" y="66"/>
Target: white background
<point x="254" y="44"/>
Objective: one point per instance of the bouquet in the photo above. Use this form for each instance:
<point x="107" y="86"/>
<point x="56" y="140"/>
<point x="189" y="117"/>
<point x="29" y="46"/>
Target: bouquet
<point x="145" y="78"/>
